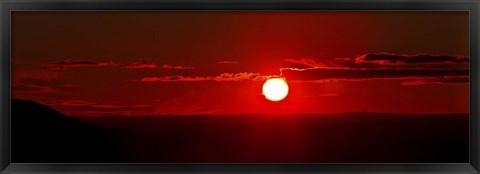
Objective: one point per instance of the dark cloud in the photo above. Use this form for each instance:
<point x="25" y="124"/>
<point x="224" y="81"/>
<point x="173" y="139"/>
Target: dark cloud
<point x="306" y="63"/>
<point x="388" y="58"/>
<point x="383" y="60"/>
<point x="166" y="66"/>
<point x="221" y="77"/>
<point x="311" y="70"/>
<point x="139" y="65"/>
<point x="313" y="74"/>
<point x="76" y="63"/>
<point x="174" y="79"/>
<point x="438" y="81"/>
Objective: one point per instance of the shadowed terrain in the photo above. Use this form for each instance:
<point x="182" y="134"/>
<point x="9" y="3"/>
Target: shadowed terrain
<point x="41" y="134"/>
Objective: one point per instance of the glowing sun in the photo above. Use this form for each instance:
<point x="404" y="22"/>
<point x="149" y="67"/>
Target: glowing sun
<point x="275" y="89"/>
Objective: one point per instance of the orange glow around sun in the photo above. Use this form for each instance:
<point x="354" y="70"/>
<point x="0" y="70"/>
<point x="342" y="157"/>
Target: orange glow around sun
<point x="275" y="89"/>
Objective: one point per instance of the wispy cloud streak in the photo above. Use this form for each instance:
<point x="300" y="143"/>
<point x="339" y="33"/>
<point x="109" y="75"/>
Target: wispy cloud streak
<point x="221" y="77"/>
<point x="76" y="63"/>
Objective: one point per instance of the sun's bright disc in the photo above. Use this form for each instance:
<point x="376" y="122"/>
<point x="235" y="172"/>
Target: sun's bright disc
<point x="275" y="89"/>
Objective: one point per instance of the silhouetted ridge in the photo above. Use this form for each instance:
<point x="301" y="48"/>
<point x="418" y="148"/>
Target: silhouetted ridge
<point x="35" y="113"/>
<point x="42" y="134"/>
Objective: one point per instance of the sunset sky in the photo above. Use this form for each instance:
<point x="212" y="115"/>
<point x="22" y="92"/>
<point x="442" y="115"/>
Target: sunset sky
<point x="215" y="62"/>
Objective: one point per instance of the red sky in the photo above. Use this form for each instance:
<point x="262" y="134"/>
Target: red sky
<point x="180" y="62"/>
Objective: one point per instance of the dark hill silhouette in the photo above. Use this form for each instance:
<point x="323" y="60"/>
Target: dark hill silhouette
<point x="41" y="134"/>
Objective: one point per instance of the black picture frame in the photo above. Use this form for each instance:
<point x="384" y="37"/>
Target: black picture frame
<point x="6" y="6"/>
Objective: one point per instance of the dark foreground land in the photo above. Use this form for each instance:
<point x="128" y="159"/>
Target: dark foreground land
<point x="40" y="134"/>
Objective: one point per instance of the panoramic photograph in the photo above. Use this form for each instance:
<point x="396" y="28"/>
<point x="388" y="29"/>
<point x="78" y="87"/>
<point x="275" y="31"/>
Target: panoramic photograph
<point x="240" y="86"/>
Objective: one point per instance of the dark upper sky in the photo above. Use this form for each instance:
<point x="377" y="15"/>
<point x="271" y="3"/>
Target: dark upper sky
<point x="181" y="62"/>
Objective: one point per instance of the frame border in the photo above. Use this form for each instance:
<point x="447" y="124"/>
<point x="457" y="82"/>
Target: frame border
<point x="6" y="6"/>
